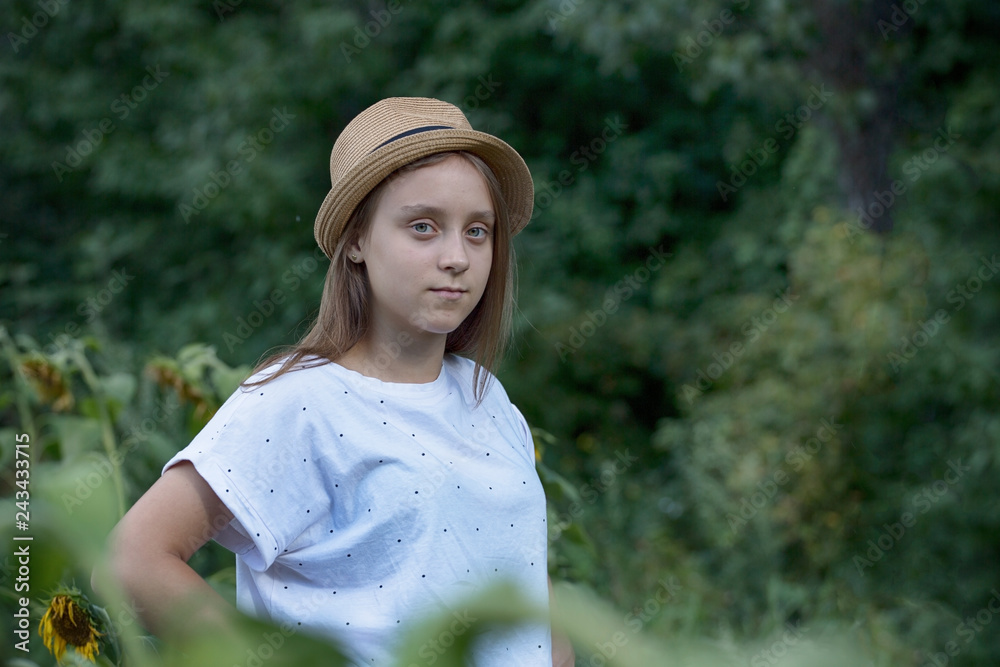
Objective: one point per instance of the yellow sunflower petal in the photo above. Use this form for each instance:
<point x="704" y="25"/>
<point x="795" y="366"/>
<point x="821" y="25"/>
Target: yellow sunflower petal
<point x="66" y="622"/>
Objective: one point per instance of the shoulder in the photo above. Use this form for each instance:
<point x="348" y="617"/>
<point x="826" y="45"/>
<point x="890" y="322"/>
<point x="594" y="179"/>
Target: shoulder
<point x="267" y="388"/>
<point x="299" y="378"/>
<point x="495" y="399"/>
<point x="460" y="368"/>
<point x="461" y="371"/>
<point x="496" y="404"/>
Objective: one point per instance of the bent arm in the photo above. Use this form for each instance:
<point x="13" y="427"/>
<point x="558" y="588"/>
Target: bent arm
<point x="150" y="547"/>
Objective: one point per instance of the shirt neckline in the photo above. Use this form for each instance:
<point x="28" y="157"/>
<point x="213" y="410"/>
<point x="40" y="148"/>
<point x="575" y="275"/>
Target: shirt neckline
<point x="423" y="390"/>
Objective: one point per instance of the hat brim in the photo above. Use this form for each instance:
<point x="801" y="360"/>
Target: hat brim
<point x="345" y="195"/>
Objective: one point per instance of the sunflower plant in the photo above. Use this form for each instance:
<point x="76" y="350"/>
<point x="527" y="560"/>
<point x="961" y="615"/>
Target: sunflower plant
<point x="71" y="620"/>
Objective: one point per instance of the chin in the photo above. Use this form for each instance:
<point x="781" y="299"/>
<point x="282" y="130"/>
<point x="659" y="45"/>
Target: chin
<point x="441" y="329"/>
<point x="444" y="321"/>
<point x="445" y="325"/>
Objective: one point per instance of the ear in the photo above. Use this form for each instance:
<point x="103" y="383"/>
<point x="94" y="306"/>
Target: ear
<point x="354" y="252"/>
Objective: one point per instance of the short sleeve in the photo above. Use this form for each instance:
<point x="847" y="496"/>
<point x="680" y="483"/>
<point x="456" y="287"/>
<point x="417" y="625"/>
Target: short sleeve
<point x="258" y="453"/>
<point x="528" y="440"/>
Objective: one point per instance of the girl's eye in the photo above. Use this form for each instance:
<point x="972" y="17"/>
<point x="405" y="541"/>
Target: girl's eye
<point x="421" y="228"/>
<point x="477" y="232"/>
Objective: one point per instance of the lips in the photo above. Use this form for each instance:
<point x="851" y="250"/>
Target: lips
<point x="449" y="292"/>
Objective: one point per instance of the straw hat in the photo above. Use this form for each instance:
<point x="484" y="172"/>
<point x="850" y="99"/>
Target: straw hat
<point x="397" y="131"/>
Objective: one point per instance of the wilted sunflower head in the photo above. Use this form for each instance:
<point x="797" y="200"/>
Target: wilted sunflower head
<point x="48" y="381"/>
<point x="67" y="621"/>
<point x="166" y="373"/>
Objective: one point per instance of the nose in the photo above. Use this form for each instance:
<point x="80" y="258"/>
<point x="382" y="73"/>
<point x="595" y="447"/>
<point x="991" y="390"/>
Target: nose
<point x="454" y="256"/>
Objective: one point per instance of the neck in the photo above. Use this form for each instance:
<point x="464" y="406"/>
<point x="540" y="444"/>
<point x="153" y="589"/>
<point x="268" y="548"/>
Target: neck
<point x="398" y="357"/>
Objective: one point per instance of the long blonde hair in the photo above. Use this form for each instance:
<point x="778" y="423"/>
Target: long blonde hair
<point x="344" y="313"/>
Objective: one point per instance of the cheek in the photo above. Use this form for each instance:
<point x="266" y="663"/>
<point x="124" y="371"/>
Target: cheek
<point x="485" y="272"/>
<point x="486" y="256"/>
<point x="384" y="278"/>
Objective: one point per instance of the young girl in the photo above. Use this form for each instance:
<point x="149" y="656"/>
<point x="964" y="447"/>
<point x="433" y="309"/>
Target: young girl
<point x="377" y="472"/>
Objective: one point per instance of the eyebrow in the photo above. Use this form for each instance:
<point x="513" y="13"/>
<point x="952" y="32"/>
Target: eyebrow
<point x="436" y="212"/>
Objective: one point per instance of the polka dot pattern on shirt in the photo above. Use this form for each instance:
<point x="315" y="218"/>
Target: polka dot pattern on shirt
<point x="479" y="465"/>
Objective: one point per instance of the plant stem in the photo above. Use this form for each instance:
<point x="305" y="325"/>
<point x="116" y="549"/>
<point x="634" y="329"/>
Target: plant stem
<point x="20" y="397"/>
<point x="107" y="428"/>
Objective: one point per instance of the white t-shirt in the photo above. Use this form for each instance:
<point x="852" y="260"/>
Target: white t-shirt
<point x="364" y="506"/>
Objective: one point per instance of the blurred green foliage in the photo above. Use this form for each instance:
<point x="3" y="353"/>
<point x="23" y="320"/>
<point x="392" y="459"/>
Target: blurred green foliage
<point x="757" y="315"/>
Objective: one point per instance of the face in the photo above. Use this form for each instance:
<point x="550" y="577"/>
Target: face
<point x="429" y="249"/>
